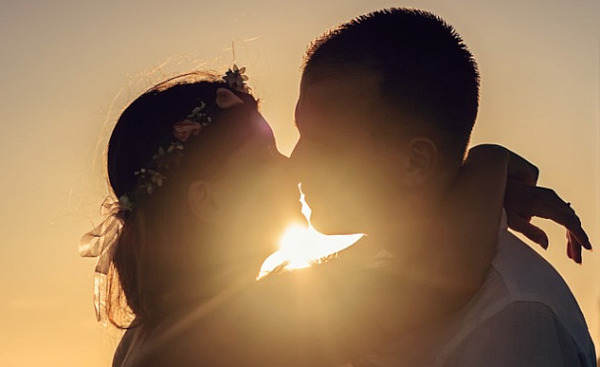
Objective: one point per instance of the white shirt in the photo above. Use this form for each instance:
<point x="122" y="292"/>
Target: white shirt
<point x="523" y="315"/>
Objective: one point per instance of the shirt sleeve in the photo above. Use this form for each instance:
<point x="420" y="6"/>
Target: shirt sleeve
<point x="523" y="334"/>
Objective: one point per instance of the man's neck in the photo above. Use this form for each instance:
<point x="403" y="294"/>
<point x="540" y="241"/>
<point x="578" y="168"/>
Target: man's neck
<point x="405" y="223"/>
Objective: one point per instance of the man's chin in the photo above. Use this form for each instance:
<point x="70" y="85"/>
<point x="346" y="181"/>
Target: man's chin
<point x="329" y="217"/>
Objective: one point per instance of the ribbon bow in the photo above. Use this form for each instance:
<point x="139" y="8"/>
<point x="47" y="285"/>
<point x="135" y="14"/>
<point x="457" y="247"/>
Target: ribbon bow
<point x="101" y="242"/>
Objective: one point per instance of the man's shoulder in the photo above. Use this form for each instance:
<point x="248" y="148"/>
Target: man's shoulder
<point x="521" y="293"/>
<point x="524" y="333"/>
<point x="528" y="277"/>
<point x="519" y="274"/>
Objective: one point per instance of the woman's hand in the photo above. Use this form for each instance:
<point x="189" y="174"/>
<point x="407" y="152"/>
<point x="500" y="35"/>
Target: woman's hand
<point x="523" y="201"/>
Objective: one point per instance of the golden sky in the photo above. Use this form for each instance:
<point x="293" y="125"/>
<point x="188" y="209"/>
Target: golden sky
<point x="68" y="67"/>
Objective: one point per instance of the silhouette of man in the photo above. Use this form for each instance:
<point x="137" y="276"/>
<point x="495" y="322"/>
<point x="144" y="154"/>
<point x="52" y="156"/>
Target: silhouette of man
<point x="386" y="107"/>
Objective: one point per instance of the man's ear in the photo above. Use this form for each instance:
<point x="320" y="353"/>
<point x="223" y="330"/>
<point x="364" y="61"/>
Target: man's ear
<point x="199" y="199"/>
<point x="422" y="158"/>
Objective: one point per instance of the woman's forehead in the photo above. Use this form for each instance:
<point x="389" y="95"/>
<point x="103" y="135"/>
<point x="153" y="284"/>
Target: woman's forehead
<point x="255" y="134"/>
<point x="260" y="132"/>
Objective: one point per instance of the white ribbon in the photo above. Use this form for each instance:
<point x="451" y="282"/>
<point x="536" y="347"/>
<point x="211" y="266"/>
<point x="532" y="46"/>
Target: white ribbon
<point x="101" y="242"/>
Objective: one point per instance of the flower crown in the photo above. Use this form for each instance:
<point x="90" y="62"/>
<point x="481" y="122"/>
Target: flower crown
<point x="100" y="242"/>
<point x="153" y="177"/>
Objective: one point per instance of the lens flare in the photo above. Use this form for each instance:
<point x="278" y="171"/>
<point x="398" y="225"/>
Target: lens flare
<point x="301" y="246"/>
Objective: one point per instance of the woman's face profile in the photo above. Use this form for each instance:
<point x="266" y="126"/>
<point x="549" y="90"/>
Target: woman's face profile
<point x="255" y="197"/>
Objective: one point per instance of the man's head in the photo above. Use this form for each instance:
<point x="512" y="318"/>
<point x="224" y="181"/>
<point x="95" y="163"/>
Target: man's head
<point x="386" y="108"/>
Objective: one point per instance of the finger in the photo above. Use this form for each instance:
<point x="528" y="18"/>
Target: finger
<point x="581" y="237"/>
<point x="551" y="206"/>
<point x="573" y="225"/>
<point x="530" y="231"/>
<point x="575" y="247"/>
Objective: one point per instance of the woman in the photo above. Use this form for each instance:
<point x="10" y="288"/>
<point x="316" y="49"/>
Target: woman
<point x="204" y="195"/>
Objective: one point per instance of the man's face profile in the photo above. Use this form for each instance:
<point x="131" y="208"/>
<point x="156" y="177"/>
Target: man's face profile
<point x="341" y="157"/>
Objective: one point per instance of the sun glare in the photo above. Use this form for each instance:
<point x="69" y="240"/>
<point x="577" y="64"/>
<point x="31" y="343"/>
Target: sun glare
<point x="301" y="246"/>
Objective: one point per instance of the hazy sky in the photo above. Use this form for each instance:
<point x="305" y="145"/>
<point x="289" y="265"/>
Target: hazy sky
<point x="69" y="67"/>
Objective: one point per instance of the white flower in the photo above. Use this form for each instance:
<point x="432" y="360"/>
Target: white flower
<point x="125" y="204"/>
<point x="235" y="79"/>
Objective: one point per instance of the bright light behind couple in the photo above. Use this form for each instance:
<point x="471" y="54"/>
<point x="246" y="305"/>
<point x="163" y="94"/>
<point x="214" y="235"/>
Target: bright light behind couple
<point x="300" y="246"/>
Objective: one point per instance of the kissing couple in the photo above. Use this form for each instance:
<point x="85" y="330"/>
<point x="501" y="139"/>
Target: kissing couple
<point x="386" y="108"/>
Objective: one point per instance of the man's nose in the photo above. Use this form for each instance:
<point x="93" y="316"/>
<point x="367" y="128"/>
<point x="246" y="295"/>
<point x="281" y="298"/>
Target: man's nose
<point x="297" y="161"/>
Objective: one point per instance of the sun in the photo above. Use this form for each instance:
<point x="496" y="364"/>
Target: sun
<point x="301" y="246"/>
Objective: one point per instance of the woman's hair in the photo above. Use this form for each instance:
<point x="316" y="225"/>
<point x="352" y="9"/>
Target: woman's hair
<point x="150" y="258"/>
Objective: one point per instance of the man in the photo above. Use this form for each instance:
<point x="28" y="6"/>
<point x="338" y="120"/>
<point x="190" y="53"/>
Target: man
<point x="387" y="103"/>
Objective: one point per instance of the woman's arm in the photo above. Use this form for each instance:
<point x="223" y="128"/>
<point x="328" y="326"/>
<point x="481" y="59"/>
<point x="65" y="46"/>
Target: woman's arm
<point x="469" y="220"/>
<point x="523" y="199"/>
<point x="493" y="177"/>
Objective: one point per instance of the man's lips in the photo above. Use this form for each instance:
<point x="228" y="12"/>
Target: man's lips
<point x="303" y="189"/>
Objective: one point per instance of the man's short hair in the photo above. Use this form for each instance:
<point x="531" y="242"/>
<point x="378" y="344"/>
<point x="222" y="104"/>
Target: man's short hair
<point x="427" y="73"/>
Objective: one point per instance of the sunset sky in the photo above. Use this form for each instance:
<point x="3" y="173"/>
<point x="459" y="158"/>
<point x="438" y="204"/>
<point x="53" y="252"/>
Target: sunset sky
<point x="69" y="67"/>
